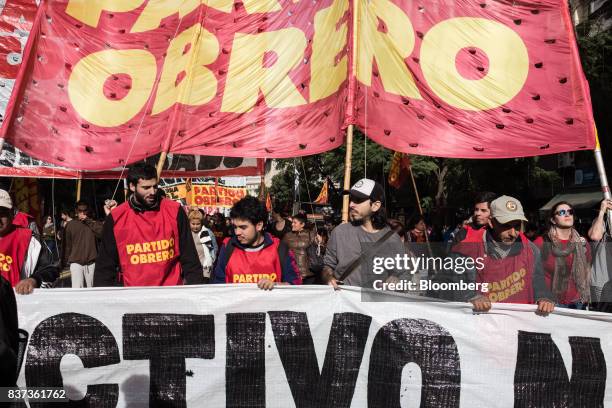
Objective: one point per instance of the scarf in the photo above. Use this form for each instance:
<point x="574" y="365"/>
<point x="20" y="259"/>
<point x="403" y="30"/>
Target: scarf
<point x="581" y="270"/>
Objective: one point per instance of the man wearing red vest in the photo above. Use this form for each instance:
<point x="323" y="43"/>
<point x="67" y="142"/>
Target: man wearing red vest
<point x="480" y="217"/>
<point x="24" y="261"/>
<point x="510" y="264"/>
<point x="147" y="238"/>
<point x="252" y="255"/>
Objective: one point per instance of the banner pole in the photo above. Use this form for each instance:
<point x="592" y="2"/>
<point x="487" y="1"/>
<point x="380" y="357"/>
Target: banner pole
<point x="603" y="178"/>
<point x="78" y="191"/>
<point x="347" y="173"/>
<point x="416" y="192"/>
<point x="160" y="163"/>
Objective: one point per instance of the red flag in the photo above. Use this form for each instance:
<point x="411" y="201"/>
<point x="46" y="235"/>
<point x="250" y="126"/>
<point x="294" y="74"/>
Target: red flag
<point x="268" y="202"/>
<point x="400" y="166"/>
<point x="323" y="195"/>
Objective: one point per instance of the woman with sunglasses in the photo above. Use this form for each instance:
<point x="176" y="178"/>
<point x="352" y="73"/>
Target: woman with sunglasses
<point x="566" y="258"/>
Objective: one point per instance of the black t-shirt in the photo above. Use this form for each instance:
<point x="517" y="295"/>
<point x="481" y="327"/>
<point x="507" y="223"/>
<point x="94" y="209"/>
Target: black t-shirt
<point x="279" y="234"/>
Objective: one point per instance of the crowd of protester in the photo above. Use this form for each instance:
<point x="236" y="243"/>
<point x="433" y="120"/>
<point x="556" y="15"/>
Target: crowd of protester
<point x="151" y="240"/>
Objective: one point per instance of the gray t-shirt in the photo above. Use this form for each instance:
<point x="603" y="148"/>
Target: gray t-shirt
<point x="344" y="247"/>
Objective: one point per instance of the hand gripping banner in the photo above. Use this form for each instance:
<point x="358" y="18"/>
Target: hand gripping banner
<point x="106" y="83"/>
<point x="237" y="346"/>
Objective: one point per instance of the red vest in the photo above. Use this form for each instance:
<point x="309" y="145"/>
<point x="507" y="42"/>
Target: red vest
<point x="250" y="267"/>
<point x="148" y="244"/>
<point x="13" y="249"/>
<point x="510" y="280"/>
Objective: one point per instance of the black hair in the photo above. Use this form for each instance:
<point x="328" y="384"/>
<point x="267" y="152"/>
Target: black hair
<point x="485" y="197"/>
<point x="141" y="171"/>
<point x="379" y="218"/>
<point x="398" y="227"/>
<point x="250" y="208"/>
<point x="81" y="203"/>
<point x="301" y="217"/>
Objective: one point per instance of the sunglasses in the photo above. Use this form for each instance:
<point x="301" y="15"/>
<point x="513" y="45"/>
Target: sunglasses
<point x="563" y="213"/>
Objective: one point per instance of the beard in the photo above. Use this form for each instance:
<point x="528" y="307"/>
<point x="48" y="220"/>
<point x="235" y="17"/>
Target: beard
<point x="140" y="199"/>
<point x="357" y="222"/>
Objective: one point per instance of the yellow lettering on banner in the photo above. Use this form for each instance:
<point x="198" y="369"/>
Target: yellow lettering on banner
<point x="505" y="50"/>
<point x="247" y="74"/>
<point x="523" y="272"/>
<point x="137" y="248"/>
<point x="516" y="276"/>
<point x="273" y="277"/>
<point x="150" y="258"/>
<point x="327" y="75"/>
<point x="171" y="253"/>
<point x="199" y="84"/>
<point x="158" y="257"/>
<point x="2" y="256"/>
<point x="242" y="279"/>
<point x="146" y="247"/>
<point x="129" y="248"/>
<point x="165" y="244"/>
<point x="235" y="278"/>
<point x="156" y="10"/>
<point x="6" y="267"/>
<point x="388" y="49"/>
<point x="9" y="259"/>
<point x="249" y="279"/>
<point x="86" y="85"/>
<point x="89" y="11"/>
<point x="493" y="297"/>
<point x="134" y="259"/>
<point x="143" y="258"/>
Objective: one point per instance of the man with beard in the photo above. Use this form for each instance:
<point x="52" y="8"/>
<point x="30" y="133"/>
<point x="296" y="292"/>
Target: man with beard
<point x="252" y="255"/>
<point x="507" y="262"/>
<point x="368" y="226"/>
<point x="147" y="239"/>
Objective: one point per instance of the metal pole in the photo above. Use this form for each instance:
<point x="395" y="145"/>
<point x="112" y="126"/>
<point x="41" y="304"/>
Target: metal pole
<point x="347" y="173"/>
<point x="605" y="187"/>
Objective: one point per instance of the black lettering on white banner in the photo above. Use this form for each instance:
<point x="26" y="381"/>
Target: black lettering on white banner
<point x="166" y="340"/>
<point x="335" y="384"/>
<point x="540" y="378"/>
<point x="245" y="365"/>
<point x="424" y="343"/>
<point x="78" y="334"/>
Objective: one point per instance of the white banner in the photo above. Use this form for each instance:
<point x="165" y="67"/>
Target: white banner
<point x="224" y="345"/>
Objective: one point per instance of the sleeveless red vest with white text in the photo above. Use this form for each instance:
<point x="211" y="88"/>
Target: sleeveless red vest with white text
<point x="13" y="249"/>
<point x="148" y="244"/>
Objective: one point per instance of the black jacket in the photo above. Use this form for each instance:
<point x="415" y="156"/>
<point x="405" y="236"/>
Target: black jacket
<point x="9" y="337"/>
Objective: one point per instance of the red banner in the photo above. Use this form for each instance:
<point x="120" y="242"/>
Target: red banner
<point x="472" y="79"/>
<point x="108" y="83"/>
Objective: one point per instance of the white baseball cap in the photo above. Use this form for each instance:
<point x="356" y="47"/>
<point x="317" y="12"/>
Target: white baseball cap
<point x="5" y="199"/>
<point x="368" y="189"/>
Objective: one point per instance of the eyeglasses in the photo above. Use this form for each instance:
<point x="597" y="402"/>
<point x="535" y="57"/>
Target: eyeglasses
<point x="563" y="213"/>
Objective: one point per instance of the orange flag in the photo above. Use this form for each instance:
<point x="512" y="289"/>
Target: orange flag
<point x="323" y="195"/>
<point x="400" y="165"/>
<point x="268" y="202"/>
